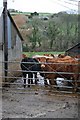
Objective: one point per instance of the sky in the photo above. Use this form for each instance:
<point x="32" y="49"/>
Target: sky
<point x="50" y="6"/>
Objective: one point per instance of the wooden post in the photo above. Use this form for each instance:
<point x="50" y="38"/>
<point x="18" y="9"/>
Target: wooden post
<point x="78" y="23"/>
<point x="5" y="31"/>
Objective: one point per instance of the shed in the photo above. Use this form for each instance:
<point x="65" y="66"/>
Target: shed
<point x="73" y="51"/>
<point x="14" y="46"/>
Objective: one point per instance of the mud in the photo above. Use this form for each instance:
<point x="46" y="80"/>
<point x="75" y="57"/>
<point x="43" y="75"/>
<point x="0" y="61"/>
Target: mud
<point x="37" y="102"/>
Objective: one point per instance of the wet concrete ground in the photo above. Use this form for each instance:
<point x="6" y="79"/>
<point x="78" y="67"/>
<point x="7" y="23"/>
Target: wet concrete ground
<point x="37" y="102"/>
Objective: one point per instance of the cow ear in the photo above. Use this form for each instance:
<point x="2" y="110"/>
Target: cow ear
<point x="47" y="59"/>
<point x="38" y="59"/>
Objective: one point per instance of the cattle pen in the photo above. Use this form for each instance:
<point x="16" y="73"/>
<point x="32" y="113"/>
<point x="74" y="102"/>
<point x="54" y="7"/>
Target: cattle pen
<point x="37" y="89"/>
<point x="61" y="81"/>
<point x="38" y="101"/>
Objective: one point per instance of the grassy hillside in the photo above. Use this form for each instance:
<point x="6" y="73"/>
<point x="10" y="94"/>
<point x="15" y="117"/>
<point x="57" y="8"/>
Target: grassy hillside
<point x="47" y="32"/>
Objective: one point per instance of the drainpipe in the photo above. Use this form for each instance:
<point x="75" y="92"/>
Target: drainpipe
<point x="5" y="31"/>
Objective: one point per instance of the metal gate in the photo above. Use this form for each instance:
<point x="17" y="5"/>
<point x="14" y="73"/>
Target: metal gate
<point x="14" y="80"/>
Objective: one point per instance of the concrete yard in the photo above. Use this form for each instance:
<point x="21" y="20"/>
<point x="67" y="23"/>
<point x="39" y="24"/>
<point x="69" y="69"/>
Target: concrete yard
<point x="38" y="102"/>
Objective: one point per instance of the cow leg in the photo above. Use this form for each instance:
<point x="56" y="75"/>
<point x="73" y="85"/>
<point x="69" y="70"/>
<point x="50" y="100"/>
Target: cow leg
<point x="29" y="76"/>
<point x="30" y="79"/>
<point x="24" y="82"/>
<point x="75" y="83"/>
<point x="36" y="78"/>
<point x="52" y="82"/>
<point x="75" y="86"/>
<point x="24" y="78"/>
<point x="45" y="82"/>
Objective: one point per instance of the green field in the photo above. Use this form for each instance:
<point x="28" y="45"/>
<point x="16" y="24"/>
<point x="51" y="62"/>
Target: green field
<point x="30" y="54"/>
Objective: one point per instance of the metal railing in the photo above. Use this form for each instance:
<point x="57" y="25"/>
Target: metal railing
<point x="61" y="88"/>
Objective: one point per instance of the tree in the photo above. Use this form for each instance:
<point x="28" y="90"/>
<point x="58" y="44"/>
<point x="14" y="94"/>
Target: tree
<point x="52" y="32"/>
<point x="36" y="35"/>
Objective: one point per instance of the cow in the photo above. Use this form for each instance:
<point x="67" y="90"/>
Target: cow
<point x="49" y="55"/>
<point x="30" y="66"/>
<point x="77" y="57"/>
<point x="64" y="56"/>
<point x="61" y="67"/>
<point x="24" y="55"/>
<point x="42" y="59"/>
<point x="61" y="55"/>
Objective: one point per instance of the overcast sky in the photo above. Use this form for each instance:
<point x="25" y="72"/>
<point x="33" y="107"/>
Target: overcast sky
<point x="51" y="6"/>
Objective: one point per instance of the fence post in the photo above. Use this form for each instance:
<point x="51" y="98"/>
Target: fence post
<point x="5" y="31"/>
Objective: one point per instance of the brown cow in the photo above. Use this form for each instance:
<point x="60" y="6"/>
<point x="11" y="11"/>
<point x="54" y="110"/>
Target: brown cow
<point x="61" y="55"/>
<point x="64" y="56"/>
<point x="67" y="66"/>
<point x="24" y="55"/>
<point x="77" y="56"/>
<point x="49" y="55"/>
<point x="42" y="58"/>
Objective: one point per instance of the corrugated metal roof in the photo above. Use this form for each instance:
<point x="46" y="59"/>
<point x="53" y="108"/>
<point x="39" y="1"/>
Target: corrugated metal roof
<point x="78" y="44"/>
<point x="1" y="10"/>
<point x="15" y="26"/>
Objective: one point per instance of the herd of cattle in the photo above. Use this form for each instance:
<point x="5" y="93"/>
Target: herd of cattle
<point x="51" y="67"/>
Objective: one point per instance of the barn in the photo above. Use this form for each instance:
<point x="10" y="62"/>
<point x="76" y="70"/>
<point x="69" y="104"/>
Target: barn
<point x="73" y="51"/>
<point x="10" y="46"/>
